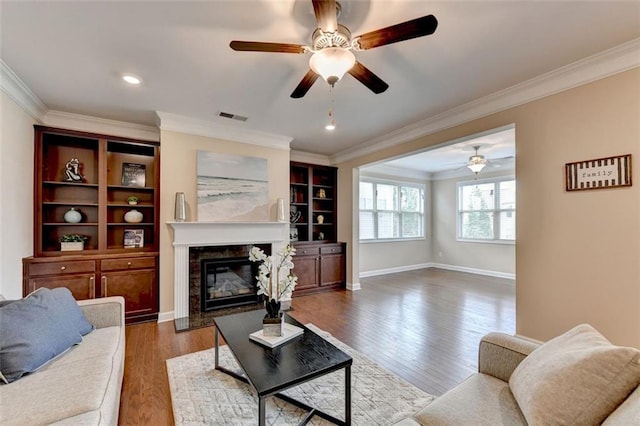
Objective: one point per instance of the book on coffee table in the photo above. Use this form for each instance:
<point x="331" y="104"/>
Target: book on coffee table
<point x="289" y="331"/>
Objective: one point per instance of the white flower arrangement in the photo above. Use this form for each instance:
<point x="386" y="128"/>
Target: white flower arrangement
<point x="271" y="283"/>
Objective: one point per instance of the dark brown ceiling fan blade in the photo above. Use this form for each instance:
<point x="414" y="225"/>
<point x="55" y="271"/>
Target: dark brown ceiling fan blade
<point x="305" y="84"/>
<point x="259" y="46"/>
<point x="326" y="15"/>
<point x="368" y="78"/>
<point x="418" y="27"/>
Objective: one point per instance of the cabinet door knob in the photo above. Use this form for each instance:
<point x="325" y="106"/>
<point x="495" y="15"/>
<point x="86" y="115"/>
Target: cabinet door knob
<point x="62" y="268"/>
<point x="128" y="263"/>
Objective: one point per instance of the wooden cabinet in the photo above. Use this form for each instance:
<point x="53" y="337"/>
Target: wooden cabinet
<point x="320" y="260"/>
<point x="319" y="267"/>
<point x="307" y="268"/>
<point x="136" y="280"/>
<point x="332" y="261"/>
<point x="96" y="175"/>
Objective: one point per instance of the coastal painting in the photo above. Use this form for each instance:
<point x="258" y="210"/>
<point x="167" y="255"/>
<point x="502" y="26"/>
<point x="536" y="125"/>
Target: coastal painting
<point x="232" y="188"/>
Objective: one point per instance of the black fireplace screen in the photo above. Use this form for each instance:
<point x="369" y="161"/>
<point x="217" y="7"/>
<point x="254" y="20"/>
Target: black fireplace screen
<point x="227" y="282"/>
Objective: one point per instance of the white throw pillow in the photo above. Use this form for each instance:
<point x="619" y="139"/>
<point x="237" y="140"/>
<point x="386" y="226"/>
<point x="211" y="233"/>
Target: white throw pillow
<point x="577" y="378"/>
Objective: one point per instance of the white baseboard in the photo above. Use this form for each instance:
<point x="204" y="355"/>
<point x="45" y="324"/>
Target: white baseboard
<point x="353" y="286"/>
<point x="496" y="274"/>
<point x="395" y="270"/>
<point x="165" y="316"/>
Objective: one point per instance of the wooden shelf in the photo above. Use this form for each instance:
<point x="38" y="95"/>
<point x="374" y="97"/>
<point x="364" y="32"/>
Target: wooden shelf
<point x="101" y="199"/>
<point x="305" y="199"/>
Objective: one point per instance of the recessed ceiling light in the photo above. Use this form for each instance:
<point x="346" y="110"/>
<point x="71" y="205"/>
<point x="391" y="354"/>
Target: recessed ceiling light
<point x="132" y="79"/>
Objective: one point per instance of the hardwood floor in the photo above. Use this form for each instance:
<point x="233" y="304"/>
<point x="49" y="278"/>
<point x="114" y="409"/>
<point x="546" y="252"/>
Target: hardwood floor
<point x="423" y="325"/>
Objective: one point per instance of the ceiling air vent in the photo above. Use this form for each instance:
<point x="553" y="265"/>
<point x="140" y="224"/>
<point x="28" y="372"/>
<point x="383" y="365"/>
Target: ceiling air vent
<point x="232" y="116"/>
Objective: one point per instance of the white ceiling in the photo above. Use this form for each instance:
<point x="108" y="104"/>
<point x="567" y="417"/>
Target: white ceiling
<point x="498" y="148"/>
<point x="71" y="54"/>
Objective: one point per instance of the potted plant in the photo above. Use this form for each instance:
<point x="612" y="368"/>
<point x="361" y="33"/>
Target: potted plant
<point x="276" y="281"/>
<point x="132" y="200"/>
<point x="72" y="242"/>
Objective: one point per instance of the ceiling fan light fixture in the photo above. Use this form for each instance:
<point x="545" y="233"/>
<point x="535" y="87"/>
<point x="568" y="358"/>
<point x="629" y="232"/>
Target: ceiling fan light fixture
<point x="332" y="63"/>
<point x="476" y="163"/>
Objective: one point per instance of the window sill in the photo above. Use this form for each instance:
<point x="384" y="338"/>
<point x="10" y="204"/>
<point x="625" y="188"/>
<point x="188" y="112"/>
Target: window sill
<point x="504" y="242"/>
<point x="393" y="240"/>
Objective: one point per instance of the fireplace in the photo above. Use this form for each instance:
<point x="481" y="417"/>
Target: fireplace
<point x="227" y="282"/>
<point x="222" y="277"/>
<point x="198" y="237"/>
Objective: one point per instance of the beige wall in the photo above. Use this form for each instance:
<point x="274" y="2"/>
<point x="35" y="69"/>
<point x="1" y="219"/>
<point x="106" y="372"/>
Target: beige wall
<point x="178" y="174"/>
<point x="16" y="194"/>
<point x="375" y="257"/>
<point x="577" y="254"/>
<point x="494" y="257"/>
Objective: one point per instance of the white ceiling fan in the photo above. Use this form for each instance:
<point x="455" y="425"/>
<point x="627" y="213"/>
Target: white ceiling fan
<point x="477" y="162"/>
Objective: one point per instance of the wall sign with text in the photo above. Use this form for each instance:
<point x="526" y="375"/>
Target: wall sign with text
<point x="610" y="172"/>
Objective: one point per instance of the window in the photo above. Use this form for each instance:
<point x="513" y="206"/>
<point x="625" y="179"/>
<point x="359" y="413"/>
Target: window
<point x="391" y="210"/>
<point x="487" y="210"/>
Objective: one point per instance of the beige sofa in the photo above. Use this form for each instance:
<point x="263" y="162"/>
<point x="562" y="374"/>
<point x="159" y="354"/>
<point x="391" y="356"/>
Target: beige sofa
<point x="486" y="398"/>
<point x="80" y="387"/>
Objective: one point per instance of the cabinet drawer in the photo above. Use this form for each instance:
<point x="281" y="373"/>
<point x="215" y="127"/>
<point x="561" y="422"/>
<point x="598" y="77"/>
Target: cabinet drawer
<point x="57" y="268"/>
<point x="331" y="249"/>
<point x="130" y="263"/>
<point x="81" y="286"/>
<point x="307" y="251"/>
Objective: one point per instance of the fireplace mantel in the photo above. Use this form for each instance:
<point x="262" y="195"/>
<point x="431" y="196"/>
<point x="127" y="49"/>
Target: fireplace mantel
<point x="221" y="233"/>
<point x="198" y="234"/>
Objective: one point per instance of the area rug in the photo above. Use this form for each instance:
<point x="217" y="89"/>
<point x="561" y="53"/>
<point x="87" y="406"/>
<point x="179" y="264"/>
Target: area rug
<point x="200" y="395"/>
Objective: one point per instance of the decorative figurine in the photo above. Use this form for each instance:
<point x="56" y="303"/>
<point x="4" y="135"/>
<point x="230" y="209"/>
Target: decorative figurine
<point x="322" y="193"/>
<point x="72" y="171"/>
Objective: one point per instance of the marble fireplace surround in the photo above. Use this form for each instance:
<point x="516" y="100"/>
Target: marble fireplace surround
<point x="201" y="234"/>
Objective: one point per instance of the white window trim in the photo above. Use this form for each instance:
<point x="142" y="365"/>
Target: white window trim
<point x="496" y="212"/>
<point x="399" y="183"/>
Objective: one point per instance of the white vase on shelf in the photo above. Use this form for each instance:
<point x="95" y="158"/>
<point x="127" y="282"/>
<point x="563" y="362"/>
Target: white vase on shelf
<point x="72" y="216"/>
<point x="133" y="216"/>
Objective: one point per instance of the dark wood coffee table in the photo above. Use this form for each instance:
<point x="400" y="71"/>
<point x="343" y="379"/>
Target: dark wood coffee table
<point x="270" y="371"/>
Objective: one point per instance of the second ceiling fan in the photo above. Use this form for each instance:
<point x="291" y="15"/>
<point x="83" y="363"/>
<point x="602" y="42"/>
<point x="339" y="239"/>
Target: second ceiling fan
<point x="332" y="47"/>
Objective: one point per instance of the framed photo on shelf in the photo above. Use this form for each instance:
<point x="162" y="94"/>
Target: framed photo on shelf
<point x="134" y="174"/>
<point x="293" y="234"/>
<point x="133" y="238"/>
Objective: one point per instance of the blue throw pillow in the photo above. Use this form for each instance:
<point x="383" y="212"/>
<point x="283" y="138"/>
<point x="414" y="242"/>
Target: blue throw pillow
<point x="6" y="302"/>
<point x="73" y="312"/>
<point x="34" y="331"/>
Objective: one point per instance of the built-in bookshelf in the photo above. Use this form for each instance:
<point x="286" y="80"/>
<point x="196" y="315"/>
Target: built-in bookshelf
<point x="320" y="259"/>
<point x="102" y="179"/>
<point x="313" y="202"/>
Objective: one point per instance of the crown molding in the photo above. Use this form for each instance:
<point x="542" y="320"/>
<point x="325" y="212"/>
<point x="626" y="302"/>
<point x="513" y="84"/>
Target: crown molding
<point x="604" y="64"/>
<point x="20" y="93"/>
<point x="385" y="170"/>
<point x="193" y="126"/>
<point x="309" y="157"/>
<point x="86" y="123"/>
